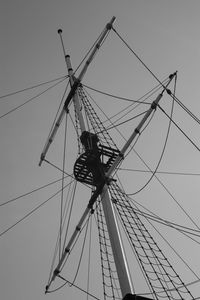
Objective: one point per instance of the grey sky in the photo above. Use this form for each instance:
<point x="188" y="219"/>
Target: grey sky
<point x="165" y="34"/>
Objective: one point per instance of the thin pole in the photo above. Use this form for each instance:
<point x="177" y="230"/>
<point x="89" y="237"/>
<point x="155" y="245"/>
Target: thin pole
<point x="76" y="99"/>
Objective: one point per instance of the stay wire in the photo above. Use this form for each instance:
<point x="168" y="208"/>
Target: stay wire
<point x="115" y="96"/>
<point x="31" y="212"/>
<point x="159" y="172"/>
<point x="145" y="97"/>
<point x="146" y="67"/>
<point x="33" y="87"/>
<point x="121" y="123"/>
<point x="171" y="225"/>
<point x="139" y="100"/>
<point x="182" y="229"/>
<point x="172" y="248"/>
<point x="109" y="119"/>
<point x="31" y="192"/>
<point x="167" y="190"/>
<point x="59" y="169"/>
<point x="31" y="99"/>
<point x="57" y="244"/>
<point x="82" y="250"/>
<point x="173" y="96"/>
<point x="163" y="150"/>
<point x="186" y="109"/>
<point x="178" y="127"/>
<point x="82" y="290"/>
<point x="153" y="215"/>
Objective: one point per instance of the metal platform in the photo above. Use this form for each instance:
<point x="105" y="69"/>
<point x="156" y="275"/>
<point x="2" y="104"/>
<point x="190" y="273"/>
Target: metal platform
<point x="91" y="166"/>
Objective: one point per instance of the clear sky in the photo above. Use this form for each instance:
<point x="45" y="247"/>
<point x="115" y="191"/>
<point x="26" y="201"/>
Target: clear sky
<point x="165" y="34"/>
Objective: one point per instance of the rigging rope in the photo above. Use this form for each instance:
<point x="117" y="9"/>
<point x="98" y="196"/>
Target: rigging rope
<point x="160" y="172"/>
<point x="58" y="237"/>
<point x="163" y="150"/>
<point x="117" y="97"/>
<point x="186" y="109"/>
<point x="182" y="229"/>
<point x="82" y="250"/>
<point x="31" y="192"/>
<point x="156" y="267"/>
<point x="108" y="119"/>
<point x="177" y="126"/>
<point x="31" y="99"/>
<point x="33" y="87"/>
<point x="156" y="218"/>
<point x="95" y="121"/>
<point x="82" y="290"/>
<point x="126" y="121"/>
<point x="142" y="62"/>
<point x="31" y="212"/>
<point x="157" y="79"/>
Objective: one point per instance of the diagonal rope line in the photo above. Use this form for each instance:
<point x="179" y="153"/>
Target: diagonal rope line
<point x="31" y="99"/>
<point x="33" y="87"/>
<point x="137" y="56"/>
<point x="31" y="212"/>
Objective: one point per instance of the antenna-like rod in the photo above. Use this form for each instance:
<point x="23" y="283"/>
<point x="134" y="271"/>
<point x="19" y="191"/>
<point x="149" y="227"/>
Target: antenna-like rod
<point x="74" y="88"/>
<point x="76" y="99"/>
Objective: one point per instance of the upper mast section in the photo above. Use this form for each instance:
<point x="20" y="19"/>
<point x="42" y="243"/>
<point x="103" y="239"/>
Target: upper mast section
<point x="72" y="78"/>
<point x="75" y="82"/>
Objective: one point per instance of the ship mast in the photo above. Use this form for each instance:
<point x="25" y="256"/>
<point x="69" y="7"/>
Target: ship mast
<point x="89" y="168"/>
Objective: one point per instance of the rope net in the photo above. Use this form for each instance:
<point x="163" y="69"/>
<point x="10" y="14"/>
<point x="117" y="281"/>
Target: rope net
<point x="111" y="286"/>
<point x="163" y="280"/>
<point x="96" y="126"/>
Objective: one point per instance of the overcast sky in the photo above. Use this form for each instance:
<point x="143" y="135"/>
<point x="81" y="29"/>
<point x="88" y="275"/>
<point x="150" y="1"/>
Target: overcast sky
<point x="165" y="34"/>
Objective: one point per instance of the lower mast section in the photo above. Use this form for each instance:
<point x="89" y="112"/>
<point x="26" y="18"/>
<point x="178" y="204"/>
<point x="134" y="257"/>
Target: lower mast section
<point x="116" y="243"/>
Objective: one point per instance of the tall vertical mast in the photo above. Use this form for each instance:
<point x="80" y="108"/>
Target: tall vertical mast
<point x="116" y="244"/>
